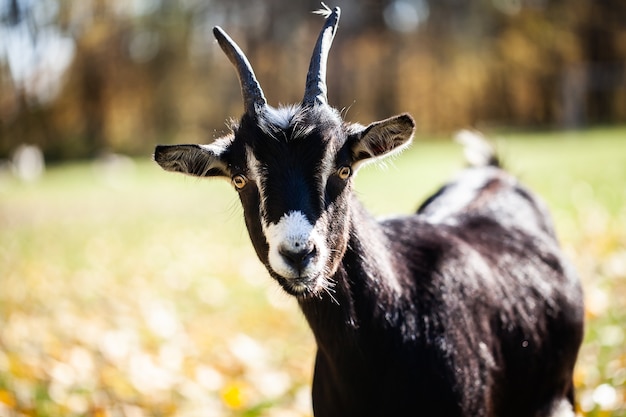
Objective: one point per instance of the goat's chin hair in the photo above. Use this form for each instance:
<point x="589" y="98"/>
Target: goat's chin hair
<point x="306" y="287"/>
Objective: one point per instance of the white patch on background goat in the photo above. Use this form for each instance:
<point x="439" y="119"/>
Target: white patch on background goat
<point x="293" y="232"/>
<point x="478" y="151"/>
<point x="461" y="193"/>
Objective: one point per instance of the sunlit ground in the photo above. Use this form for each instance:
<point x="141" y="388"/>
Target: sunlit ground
<point x="128" y="291"/>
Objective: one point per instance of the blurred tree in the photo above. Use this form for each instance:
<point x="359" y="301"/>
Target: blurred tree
<point x="80" y="78"/>
<point x="604" y="60"/>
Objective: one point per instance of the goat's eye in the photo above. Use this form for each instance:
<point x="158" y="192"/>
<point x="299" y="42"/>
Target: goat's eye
<point x="344" y="172"/>
<point x="239" y="181"/>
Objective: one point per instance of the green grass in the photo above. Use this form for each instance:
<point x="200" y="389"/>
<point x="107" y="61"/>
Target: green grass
<point x="136" y="292"/>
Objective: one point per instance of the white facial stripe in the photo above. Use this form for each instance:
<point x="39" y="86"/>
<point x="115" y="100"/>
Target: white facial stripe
<point x="293" y="232"/>
<point x="256" y="173"/>
<point x="326" y="168"/>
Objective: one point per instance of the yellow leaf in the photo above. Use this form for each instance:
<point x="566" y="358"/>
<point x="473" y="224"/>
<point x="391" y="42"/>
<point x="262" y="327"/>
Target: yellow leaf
<point x="98" y="412"/>
<point x="7" y="399"/>
<point x="233" y="395"/>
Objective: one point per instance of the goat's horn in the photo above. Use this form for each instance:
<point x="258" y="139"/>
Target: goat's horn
<point x="315" y="92"/>
<point x="253" y="97"/>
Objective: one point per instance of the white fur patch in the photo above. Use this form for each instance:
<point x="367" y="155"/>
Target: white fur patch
<point x="478" y="152"/>
<point x="293" y="232"/>
<point x="218" y="147"/>
<point x="273" y="122"/>
<point x="325" y="169"/>
<point x="563" y="409"/>
<point x="459" y="196"/>
<point x="255" y="172"/>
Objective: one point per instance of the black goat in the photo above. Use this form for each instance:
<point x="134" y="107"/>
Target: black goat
<point x="465" y="308"/>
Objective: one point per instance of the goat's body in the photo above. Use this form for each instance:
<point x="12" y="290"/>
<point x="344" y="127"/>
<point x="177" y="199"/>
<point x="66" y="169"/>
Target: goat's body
<point x="463" y="309"/>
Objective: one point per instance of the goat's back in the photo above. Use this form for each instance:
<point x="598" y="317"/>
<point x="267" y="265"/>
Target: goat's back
<point x="504" y="307"/>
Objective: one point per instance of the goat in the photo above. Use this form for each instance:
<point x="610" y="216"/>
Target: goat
<point x="466" y="308"/>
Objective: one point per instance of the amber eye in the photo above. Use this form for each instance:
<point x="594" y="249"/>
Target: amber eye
<point x="239" y="181"/>
<point x="344" y="172"/>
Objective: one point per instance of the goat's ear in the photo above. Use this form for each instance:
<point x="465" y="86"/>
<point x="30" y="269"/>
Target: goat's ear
<point x="382" y="138"/>
<point x="196" y="160"/>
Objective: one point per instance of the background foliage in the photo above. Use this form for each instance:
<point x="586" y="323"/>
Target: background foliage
<point x="81" y="77"/>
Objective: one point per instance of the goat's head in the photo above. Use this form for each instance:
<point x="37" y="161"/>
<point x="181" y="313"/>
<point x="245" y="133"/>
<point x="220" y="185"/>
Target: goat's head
<point x="292" y="167"/>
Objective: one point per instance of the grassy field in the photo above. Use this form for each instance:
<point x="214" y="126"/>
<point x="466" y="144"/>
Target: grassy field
<point x="128" y="291"/>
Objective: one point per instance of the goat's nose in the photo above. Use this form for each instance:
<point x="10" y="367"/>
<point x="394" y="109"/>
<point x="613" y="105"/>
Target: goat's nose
<point x="298" y="259"/>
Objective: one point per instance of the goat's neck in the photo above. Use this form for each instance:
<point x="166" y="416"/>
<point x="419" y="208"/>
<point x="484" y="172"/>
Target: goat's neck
<point x="365" y="284"/>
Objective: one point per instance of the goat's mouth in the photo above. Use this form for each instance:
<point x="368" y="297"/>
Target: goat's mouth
<point x="301" y="287"/>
